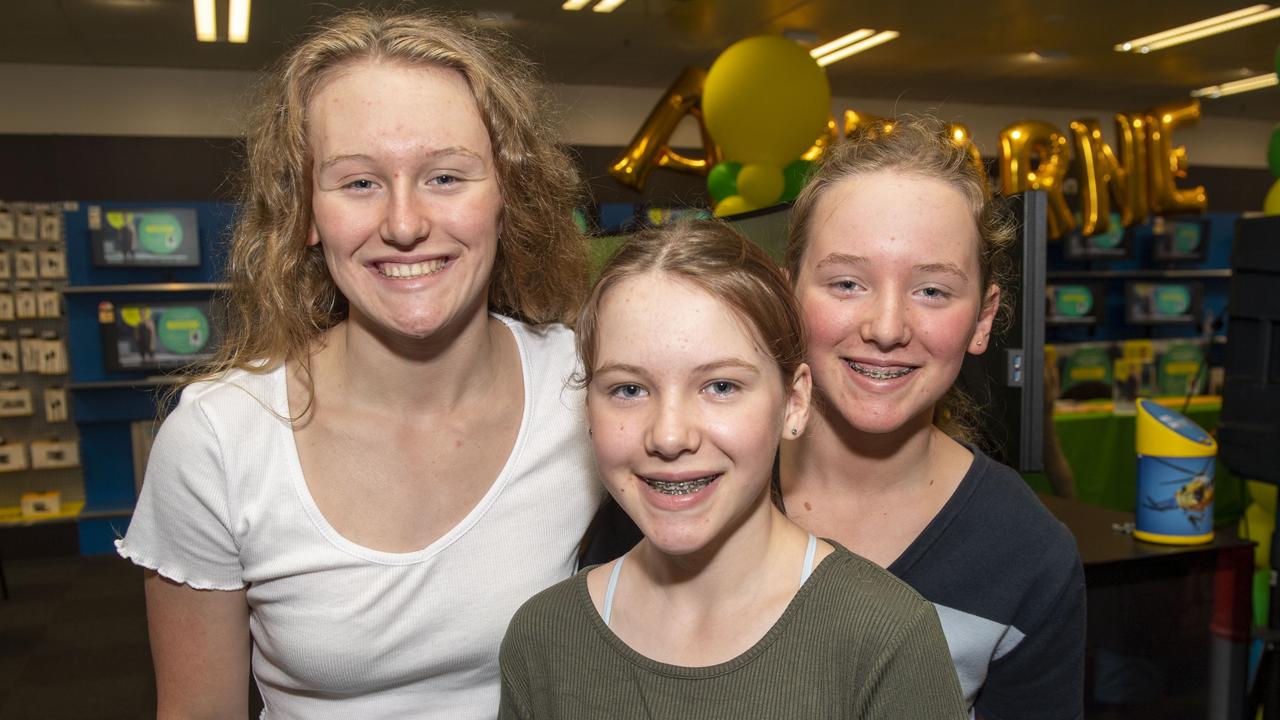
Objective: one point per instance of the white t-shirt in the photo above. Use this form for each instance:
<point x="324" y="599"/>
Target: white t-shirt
<point x="340" y="630"/>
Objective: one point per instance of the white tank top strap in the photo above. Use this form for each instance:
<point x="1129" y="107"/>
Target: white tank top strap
<point x="807" y="570"/>
<point x="613" y="585"/>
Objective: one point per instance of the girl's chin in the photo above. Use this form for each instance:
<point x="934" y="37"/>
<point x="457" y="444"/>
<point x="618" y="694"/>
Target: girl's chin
<point x="879" y="419"/>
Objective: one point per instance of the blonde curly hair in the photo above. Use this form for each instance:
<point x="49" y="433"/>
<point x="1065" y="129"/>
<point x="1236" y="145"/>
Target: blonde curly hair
<point x="281" y="296"/>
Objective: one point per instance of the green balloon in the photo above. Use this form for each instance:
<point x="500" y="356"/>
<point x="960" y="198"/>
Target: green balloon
<point x="795" y="175"/>
<point x="722" y="181"/>
<point x="1273" y="152"/>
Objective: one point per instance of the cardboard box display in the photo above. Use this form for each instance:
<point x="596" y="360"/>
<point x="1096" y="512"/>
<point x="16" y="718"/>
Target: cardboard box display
<point x="50" y="227"/>
<point x="55" y="405"/>
<point x="13" y="457"/>
<point x="53" y="357"/>
<point x="16" y="403"/>
<point x="41" y="504"/>
<point x="28" y="227"/>
<point x="24" y="305"/>
<point x="54" y="454"/>
<point x="9" y="357"/>
<point x="32" y="350"/>
<point x="24" y="265"/>
<point x="53" y="263"/>
<point x="48" y="304"/>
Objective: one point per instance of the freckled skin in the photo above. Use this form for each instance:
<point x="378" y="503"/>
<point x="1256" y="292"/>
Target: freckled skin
<point x="676" y="418"/>
<point x="404" y="172"/>
<point x="892" y="307"/>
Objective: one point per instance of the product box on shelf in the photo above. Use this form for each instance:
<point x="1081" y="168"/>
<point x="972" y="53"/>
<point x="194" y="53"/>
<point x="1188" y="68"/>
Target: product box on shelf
<point x="41" y="504"/>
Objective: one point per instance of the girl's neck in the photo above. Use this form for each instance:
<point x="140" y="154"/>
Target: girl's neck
<point x="723" y="573"/>
<point x="708" y="607"/>
<point x="832" y="457"/>
<point x="365" y="365"/>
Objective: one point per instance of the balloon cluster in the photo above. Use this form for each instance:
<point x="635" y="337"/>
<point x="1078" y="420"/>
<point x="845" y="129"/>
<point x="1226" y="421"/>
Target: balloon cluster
<point x="764" y="102"/>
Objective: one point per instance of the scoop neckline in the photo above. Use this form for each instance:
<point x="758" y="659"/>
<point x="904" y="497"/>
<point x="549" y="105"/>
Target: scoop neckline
<point x="583" y="594"/>
<point x="337" y="540"/>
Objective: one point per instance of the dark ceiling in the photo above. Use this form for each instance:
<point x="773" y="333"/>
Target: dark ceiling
<point x="1010" y="52"/>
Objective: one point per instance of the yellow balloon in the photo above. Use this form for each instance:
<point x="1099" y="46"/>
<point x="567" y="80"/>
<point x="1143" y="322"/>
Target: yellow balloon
<point x="761" y="184"/>
<point x="1263" y="494"/>
<point x="1271" y="206"/>
<point x="733" y="205"/>
<point x="765" y="100"/>
<point x="1258" y="524"/>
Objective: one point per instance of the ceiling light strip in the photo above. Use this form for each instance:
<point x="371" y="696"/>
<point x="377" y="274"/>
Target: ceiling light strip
<point x="1237" y="86"/>
<point x="575" y="4"/>
<point x="1224" y="27"/>
<point x="840" y="42"/>
<point x="877" y="39"/>
<point x="607" y="6"/>
<point x="206" y="21"/>
<point x="1136" y="43"/>
<point x="238" y="21"/>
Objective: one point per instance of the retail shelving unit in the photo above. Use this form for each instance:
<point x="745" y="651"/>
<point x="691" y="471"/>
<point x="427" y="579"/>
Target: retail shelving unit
<point x="116" y="406"/>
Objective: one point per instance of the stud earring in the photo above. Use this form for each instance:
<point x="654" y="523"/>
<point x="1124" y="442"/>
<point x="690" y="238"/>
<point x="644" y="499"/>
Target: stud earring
<point x="795" y="431"/>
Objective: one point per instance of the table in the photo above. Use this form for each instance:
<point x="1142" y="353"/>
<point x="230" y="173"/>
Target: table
<point x="1168" y="625"/>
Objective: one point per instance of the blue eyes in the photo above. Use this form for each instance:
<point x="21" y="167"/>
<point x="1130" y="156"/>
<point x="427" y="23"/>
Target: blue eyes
<point x="845" y="287"/>
<point x="437" y="181"/>
<point x="716" y="388"/>
<point x="628" y="392"/>
<point x="721" y="387"/>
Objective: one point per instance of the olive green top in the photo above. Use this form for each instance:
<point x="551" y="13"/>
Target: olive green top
<point x="855" y="642"/>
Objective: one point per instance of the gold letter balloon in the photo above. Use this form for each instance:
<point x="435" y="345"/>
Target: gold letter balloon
<point x="649" y="147"/>
<point x="1033" y="156"/>
<point x="764" y="101"/>
<point x="1169" y="162"/>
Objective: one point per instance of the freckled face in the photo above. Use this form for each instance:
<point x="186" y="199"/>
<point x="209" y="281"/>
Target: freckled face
<point x="405" y="197"/>
<point x="890" y="291"/>
<point x="686" y="412"/>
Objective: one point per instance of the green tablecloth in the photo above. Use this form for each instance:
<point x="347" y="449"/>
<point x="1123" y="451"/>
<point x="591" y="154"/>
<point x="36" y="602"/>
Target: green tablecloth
<point x="1100" y="447"/>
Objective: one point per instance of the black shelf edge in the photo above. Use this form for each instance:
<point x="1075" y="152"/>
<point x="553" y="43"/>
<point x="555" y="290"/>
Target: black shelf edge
<point x="144" y="287"/>
<point x="1140" y="274"/>
<point x="139" y="383"/>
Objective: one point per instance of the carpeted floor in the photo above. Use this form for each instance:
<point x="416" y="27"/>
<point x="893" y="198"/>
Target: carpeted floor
<point x="73" y="641"/>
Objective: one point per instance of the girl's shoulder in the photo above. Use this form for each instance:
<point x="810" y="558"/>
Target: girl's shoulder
<point x="556" y="612"/>
<point x="233" y="395"/>
<point x="849" y="583"/>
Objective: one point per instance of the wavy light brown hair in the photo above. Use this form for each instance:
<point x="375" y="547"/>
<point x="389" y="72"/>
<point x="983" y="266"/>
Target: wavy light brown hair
<point x="918" y="145"/>
<point x="714" y="257"/>
<point x="281" y="295"/>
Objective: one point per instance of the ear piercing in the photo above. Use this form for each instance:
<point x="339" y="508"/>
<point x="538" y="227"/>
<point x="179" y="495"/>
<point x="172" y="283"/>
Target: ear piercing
<point x="795" y="431"/>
